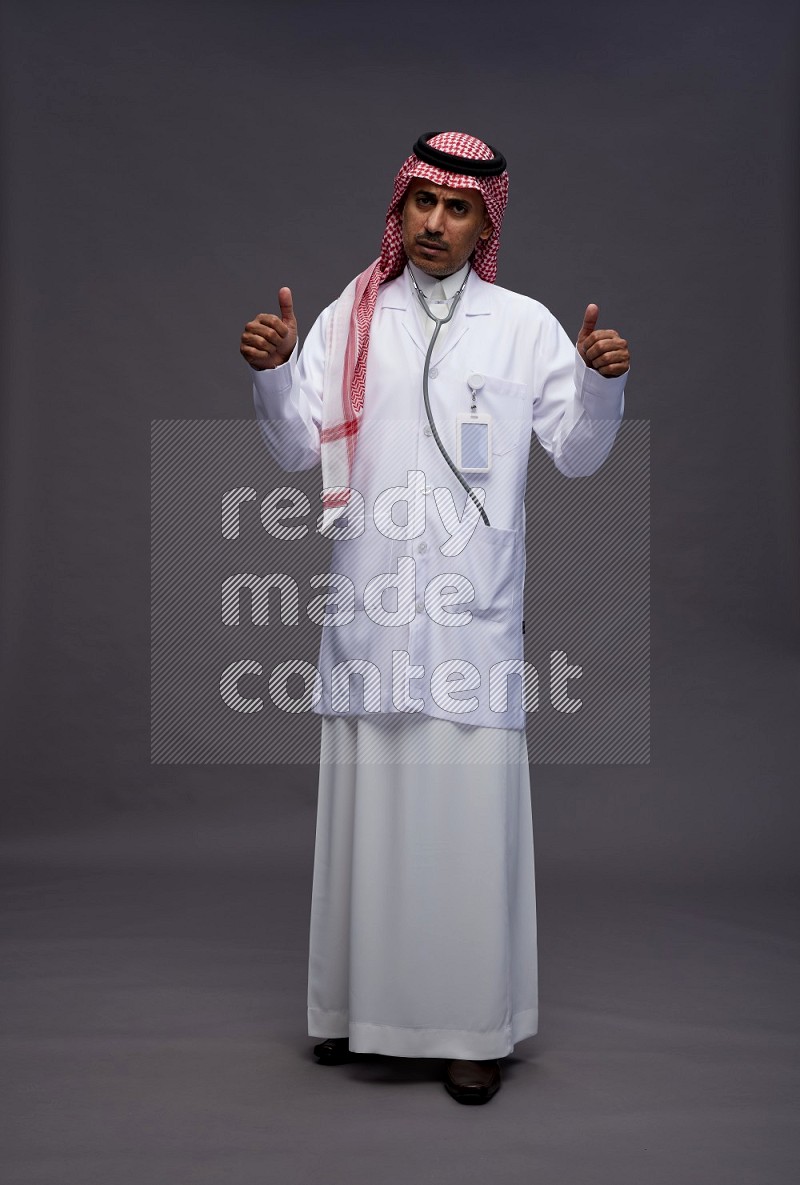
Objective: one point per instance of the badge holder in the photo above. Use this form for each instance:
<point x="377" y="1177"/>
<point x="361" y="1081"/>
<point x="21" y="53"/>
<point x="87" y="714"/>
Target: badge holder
<point x="474" y="434"/>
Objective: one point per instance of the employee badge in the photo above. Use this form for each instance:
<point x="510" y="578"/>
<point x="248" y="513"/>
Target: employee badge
<point x="474" y="434"/>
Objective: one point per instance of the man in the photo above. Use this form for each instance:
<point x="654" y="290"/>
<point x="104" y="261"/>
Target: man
<point x="418" y="390"/>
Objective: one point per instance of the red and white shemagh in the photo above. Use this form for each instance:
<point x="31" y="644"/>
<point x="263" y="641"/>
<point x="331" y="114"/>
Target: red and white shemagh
<point x="347" y="342"/>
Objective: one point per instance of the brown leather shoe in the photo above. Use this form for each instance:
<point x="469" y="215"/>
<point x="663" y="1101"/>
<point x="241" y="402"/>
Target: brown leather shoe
<point x="333" y="1051"/>
<point x="472" y="1082"/>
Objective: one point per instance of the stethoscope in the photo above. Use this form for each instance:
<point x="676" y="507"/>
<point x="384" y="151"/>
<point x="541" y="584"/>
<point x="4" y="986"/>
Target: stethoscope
<point x="439" y="322"/>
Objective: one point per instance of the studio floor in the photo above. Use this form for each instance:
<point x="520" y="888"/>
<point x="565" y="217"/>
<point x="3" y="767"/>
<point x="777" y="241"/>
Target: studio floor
<point x="154" y="1027"/>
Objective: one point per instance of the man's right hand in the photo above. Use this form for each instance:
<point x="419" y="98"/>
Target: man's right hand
<point x="268" y="340"/>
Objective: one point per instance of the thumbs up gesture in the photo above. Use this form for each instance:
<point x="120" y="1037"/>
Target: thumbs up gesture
<point x="602" y="349"/>
<point x="268" y="340"/>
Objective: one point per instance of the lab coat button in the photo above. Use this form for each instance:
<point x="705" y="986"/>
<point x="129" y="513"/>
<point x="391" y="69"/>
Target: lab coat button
<point x="423" y="547"/>
<point x="420" y="606"/>
<point x="427" y="430"/>
<point x="433" y="373"/>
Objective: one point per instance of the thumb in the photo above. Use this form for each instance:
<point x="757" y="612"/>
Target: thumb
<point x="589" y="321"/>
<point x="287" y="308"/>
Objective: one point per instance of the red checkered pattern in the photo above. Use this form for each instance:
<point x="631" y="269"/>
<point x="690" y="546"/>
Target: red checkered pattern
<point x="343" y="428"/>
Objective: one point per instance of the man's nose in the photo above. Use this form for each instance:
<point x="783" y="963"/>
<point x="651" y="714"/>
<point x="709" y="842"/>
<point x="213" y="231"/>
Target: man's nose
<point x="434" y="223"/>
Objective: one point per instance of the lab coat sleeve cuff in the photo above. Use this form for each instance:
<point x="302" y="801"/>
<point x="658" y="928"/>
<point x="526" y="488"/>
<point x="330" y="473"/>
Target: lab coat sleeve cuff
<point x="271" y="387"/>
<point x="601" y="397"/>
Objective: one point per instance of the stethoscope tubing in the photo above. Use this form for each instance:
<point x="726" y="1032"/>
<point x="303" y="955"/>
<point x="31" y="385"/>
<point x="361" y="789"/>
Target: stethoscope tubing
<point x="426" y="396"/>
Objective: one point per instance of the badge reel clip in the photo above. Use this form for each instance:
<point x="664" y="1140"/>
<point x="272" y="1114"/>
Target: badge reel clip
<point x="474" y="434"/>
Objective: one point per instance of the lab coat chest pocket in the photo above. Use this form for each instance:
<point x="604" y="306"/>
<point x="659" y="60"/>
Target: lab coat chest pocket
<point x="508" y="405"/>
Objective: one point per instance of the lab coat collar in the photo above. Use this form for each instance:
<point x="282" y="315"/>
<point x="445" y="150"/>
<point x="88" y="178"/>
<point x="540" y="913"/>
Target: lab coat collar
<point x="475" y="302"/>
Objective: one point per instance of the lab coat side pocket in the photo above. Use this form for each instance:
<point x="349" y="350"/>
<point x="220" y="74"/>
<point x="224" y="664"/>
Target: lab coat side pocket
<point x="491" y="562"/>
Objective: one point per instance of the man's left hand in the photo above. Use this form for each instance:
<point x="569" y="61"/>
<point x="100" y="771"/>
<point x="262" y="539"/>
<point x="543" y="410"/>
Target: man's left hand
<point x="602" y="349"/>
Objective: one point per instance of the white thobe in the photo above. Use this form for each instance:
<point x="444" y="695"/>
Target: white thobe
<point x="423" y="923"/>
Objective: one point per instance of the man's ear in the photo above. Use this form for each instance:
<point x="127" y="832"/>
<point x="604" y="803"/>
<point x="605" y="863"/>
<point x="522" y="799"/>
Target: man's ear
<point x="487" y="229"/>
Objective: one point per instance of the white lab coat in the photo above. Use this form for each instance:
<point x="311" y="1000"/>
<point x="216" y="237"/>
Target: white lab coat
<point x="443" y="643"/>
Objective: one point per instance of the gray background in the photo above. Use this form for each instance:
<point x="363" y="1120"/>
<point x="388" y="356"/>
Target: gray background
<point x="166" y="167"/>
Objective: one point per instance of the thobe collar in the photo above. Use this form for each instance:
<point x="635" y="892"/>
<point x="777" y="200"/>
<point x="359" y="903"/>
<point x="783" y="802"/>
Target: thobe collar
<point x="437" y="291"/>
<point x="450" y="284"/>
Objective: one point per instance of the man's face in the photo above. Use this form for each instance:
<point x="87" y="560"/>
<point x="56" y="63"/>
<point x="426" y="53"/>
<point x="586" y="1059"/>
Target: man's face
<point x="441" y="226"/>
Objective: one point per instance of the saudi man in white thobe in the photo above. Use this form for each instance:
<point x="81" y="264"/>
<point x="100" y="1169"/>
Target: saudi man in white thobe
<point x="418" y="390"/>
